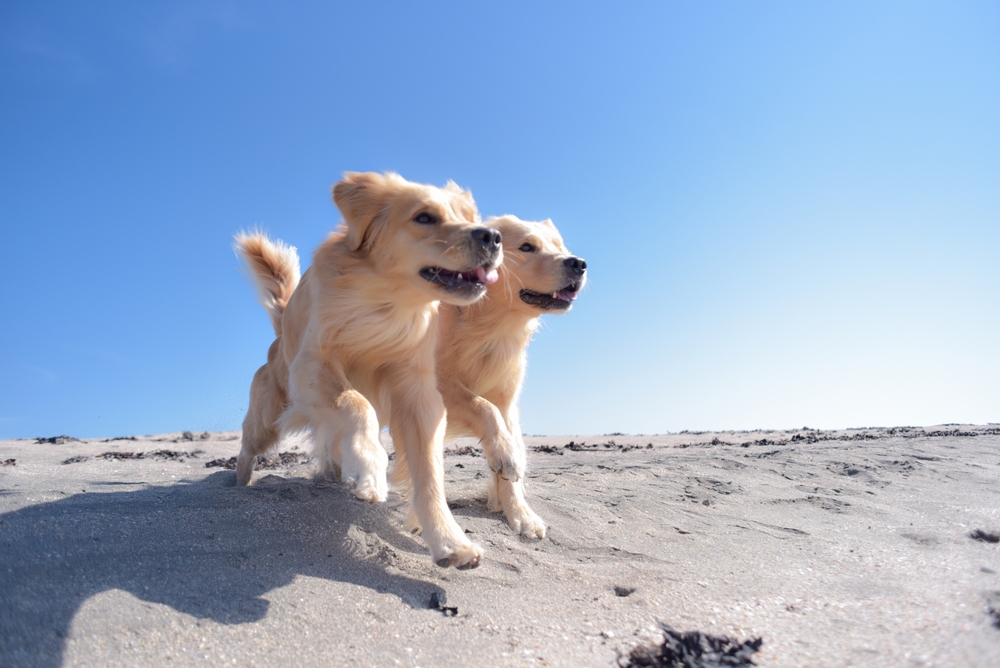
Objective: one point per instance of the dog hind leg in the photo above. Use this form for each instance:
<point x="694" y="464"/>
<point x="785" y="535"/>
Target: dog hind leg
<point x="260" y="427"/>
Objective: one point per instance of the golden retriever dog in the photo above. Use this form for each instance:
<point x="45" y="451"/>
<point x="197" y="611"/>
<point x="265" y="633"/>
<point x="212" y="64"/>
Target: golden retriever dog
<point x="483" y="351"/>
<point x="355" y="341"/>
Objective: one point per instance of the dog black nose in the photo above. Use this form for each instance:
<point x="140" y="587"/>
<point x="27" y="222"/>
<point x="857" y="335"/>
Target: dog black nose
<point x="575" y="264"/>
<point x="487" y="237"/>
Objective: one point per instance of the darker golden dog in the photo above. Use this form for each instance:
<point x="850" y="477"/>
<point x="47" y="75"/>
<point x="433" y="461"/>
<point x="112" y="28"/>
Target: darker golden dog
<point x="483" y="349"/>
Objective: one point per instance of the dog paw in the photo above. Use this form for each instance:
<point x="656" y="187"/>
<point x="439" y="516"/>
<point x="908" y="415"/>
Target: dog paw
<point x="365" y="474"/>
<point x="506" y="460"/>
<point x="463" y="557"/>
<point x="525" y="522"/>
<point x="370" y="488"/>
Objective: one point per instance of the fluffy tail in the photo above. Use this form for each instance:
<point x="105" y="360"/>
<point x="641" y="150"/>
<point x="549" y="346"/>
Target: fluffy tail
<point x="274" y="270"/>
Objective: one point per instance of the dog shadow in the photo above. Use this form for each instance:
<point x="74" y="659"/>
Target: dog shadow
<point x="205" y="548"/>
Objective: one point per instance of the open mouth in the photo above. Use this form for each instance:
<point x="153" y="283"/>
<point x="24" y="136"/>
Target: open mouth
<point x="468" y="280"/>
<point x="552" y="301"/>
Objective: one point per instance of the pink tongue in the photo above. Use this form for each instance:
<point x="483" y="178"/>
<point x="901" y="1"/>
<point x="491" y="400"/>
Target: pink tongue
<point x="489" y="278"/>
<point x="566" y="295"/>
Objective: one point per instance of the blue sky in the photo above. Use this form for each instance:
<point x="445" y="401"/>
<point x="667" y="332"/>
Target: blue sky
<point x="790" y="211"/>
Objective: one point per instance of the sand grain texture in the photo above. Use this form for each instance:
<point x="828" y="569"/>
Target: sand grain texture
<point x="851" y="548"/>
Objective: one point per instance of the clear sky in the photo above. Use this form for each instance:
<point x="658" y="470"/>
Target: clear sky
<point x="790" y="210"/>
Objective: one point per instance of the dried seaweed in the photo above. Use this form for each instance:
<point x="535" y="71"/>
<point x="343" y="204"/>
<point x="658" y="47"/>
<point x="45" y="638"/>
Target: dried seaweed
<point x="56" y="440"/>
<point x="277" y="461"/>
<point x="596" y="447"/>
<point x="985" y="536"/>
<point x="156" y="454"/>
<point x="175" y="455"/>
<point x="692" y="649"/>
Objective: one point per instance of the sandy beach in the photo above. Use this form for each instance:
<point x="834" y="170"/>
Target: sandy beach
<point x="867" y="547"/>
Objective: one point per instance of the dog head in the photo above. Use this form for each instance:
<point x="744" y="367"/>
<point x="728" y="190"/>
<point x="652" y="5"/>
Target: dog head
<point x="537" y="267"/>
<point x="431" y="239"/>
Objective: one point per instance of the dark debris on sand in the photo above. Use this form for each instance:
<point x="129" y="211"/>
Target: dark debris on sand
<point x="817" y="436"/>
<point x="281" y="459"/>
<point x="993" y="607"/>
<point x="610" y="446"/>
<point x="692" y="649"/>
<point x="174" y="455"/>
<point x="985" y="536"/>
<point x="438" y="603"/>
<point x="465" y="450"/>
<point x="56" y="440"/>
<point x="156" y="454"/>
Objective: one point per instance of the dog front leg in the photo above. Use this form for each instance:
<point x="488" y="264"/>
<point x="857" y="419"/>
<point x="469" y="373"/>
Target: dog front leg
<point x="509" y="494"/>
<point x="417" y="424"/>
<point x="479" y="417"/>
<point x="353" y="426"/>
<point x="345" y="428"/>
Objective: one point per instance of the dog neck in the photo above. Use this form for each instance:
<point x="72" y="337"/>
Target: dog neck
<point x="500" y="319"/>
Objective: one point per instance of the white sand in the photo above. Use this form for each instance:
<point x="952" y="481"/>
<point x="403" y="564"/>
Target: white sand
<point x="850" y="550"/>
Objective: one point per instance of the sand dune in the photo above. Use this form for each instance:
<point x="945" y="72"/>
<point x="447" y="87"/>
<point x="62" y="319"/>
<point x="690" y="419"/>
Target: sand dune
<point x="855" y="548"/>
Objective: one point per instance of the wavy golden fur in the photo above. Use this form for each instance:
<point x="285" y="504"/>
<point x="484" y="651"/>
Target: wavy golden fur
<point x="273" y="268"/>
<point x="483" y="352"/>
<point x="356" y="338"/>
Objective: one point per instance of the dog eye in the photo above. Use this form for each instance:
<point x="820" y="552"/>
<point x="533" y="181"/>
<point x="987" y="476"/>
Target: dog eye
<point x="426" y="218"/>
<point x="527" y="248"/>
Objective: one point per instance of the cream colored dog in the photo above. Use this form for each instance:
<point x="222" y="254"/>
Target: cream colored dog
<point x="356" y="338"/>
<point x="483" y="351"/>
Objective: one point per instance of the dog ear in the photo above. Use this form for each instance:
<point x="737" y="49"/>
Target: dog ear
<point x="556" y="236"/>
<point x="468" y="204"/>
<point x="359" y="196"/>
<point x="456" y="189"/>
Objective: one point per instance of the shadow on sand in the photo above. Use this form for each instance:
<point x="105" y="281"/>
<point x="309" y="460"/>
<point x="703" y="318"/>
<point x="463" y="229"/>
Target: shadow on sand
<point x="205" y="548"/>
